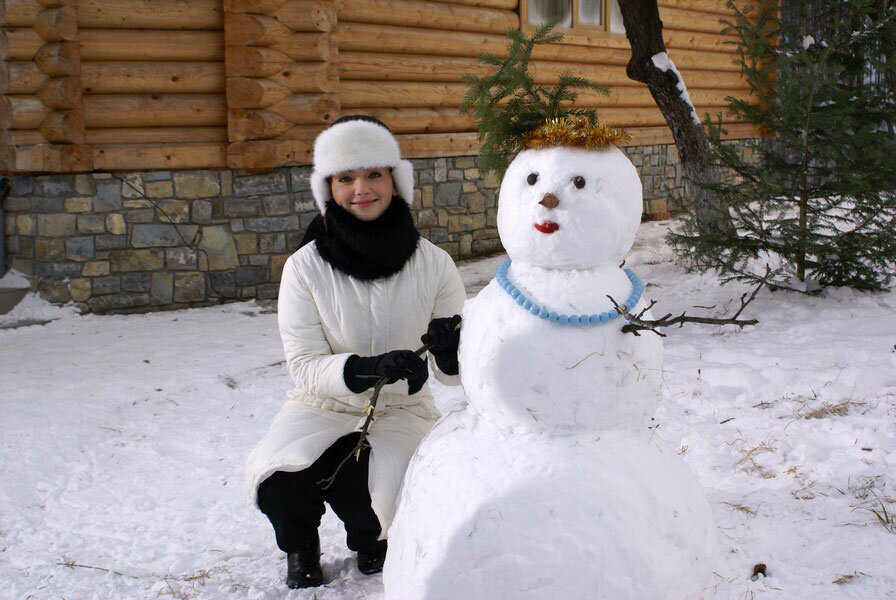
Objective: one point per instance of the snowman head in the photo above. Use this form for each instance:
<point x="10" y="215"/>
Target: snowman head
<point x="569" y="208"/>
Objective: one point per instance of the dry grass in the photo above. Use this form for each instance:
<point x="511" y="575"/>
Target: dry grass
<point x="741" y="508"/>
<point x="873" y="498"/>
<point x="748" y="463"/>
<point x="886" y="517"/>
<point x="839" y="409"/>
<point x="184" y="592"/>
<point x="841" y="579"/>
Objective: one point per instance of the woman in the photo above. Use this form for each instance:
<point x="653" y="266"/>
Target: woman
<point x="352" y="306"/>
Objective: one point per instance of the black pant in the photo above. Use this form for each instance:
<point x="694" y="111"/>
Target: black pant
<point x="294" y="502"/>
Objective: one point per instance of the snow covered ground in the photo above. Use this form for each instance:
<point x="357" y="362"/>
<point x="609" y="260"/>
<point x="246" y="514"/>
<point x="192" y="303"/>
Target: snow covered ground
<point x="122" y="440"/>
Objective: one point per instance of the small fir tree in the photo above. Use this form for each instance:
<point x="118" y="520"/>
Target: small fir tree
<point x="817" y="200"/>
<point x="508" y="103"/>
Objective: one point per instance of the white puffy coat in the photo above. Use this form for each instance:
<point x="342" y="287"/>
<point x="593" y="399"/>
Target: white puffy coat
<point x="326" y="316"/>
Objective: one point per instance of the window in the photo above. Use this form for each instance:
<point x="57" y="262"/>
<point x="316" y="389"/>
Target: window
<point x="585" y="15"/>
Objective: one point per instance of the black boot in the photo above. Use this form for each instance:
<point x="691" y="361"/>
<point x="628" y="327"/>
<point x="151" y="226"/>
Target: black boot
<point x="303" y="567"/>
<point x="371" y="561"/>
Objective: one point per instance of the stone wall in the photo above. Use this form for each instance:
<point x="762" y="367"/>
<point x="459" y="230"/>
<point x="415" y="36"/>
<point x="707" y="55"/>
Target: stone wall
<point x="156" y="240"/>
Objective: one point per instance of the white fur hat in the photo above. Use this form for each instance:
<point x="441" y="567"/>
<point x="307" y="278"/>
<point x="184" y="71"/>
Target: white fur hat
<point x="358" y="142"/>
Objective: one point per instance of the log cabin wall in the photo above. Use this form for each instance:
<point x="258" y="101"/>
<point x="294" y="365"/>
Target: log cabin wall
<point x="161" y="146"/>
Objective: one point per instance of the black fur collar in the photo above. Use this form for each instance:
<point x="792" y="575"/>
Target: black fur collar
<point x="365" y="250"/>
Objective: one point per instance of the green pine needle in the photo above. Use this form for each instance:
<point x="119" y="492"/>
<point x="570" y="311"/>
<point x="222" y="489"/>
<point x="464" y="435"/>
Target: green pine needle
<point x="508" y="103"/>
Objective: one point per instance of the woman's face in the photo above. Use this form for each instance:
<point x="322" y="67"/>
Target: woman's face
<point x="365" y="193"/>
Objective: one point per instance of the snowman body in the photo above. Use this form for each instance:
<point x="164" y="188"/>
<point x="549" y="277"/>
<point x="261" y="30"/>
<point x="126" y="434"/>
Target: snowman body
<point x="548" y="483"/>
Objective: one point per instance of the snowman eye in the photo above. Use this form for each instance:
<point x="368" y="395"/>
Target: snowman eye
<point x="578" y="181"/>
<point x="532" y="178"/>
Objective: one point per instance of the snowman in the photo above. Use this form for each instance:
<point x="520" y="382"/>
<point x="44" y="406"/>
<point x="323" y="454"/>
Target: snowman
<point x="548" y="482"/>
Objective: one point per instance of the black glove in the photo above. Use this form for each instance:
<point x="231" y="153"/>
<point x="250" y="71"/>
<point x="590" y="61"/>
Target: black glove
<point x="442" y="336"/>
<point x="362" y="373"/>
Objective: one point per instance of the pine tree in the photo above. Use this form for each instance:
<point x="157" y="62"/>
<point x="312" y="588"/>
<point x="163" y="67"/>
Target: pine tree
<point x="508" y="103"/>
<point x="816" y="202"/>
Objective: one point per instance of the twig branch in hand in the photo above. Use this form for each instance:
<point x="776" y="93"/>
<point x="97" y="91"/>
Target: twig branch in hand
<point x="638" y="323"/>
<point x="362" y="440"/>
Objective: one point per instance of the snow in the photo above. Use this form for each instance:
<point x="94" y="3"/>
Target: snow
<point x="663" y="62"/>
<point x="123" y="438"/>
<point x="808" y="41"/>
<point x="14" y="280"/>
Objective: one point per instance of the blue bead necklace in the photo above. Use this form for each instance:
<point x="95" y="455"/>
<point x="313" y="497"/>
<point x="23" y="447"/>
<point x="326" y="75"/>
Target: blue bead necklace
<point x="538" y="311"/>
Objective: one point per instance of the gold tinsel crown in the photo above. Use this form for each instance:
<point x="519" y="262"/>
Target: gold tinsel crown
<point x="575" y="132"/>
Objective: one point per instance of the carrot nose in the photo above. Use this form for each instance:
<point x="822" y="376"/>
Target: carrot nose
<point x="550" y="201"/>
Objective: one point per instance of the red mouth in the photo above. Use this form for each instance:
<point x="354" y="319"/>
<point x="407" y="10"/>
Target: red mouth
<point x="547" y="227"/>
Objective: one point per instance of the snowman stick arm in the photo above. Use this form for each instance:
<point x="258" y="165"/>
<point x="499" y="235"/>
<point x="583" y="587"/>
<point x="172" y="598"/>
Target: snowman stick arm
<point x="637" y="322"/>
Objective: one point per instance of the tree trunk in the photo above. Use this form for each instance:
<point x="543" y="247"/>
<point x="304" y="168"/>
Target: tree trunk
<point x="644" y="31"/>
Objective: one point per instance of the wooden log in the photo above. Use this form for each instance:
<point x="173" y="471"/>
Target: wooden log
<point x="253" y="6"/>
<point x="150" y="45"/>
<point x="307" y="108"/>
<point x="57" y="24"/>
<point x="245" y="92"/>
<point x="64" y="127"/>
<point x="59" y="58"/>
<point x="742" y="130"/>
<point x="20" y="13"/>
<point x="39" y="158"/>
<point x="21" y="43"/>
<point x="6" y="112"/>
<point x="25" y="112"/>
<point x="588" y="50"/>
<point x="155" y="110"/>
<point x="243" y="29"/>
<point x="393" y="94"/>
<point x="24" y="77"/>
<point x="7" y="158"/>
<point x="433" y="145"/>
<point x="155" y="135"/>
<point x="77" y="158"/>
<point x="691" y="20"/>
<point x="421" y="120"/>
<point x="252" y="61"/>
<point x="691" y="40"/>
<point x="301" y="132"/>
<point x="708" y="6"/>
<point x="55" y="3"/>
<point x="261" y="30"/>
<point x="4" y="45"/>
<point x="502" y="4"/>
<point x="151" y="14"/>
<point x="273" y="153"/>
<point x="308" y="47"/>
<point x="302" y="78"/>
<point x="26" y="137"/>
<point x="307" y="15"/>
<point x="404" y="67"/>
<point x="247" y="124"/>
<point x="420" y="13"/>
<point x="202" y="155"/>
<point x="61" y="93"/>
<point x="153" y="77"/>
<point x="4" y="78"/>
<point x="47" y="158"/>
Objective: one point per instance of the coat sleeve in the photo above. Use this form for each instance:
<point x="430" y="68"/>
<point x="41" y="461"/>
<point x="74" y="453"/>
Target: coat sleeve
<point x="310" y="360"/>
<point x="450" y="299"/>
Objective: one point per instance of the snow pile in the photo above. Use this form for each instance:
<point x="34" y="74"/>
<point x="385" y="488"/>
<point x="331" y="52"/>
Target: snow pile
<point x="31" y="308"/>
<point x="123" y="439"/>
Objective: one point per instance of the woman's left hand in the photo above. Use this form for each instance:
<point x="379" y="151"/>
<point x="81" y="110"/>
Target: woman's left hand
<point x="443" y="335"/>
